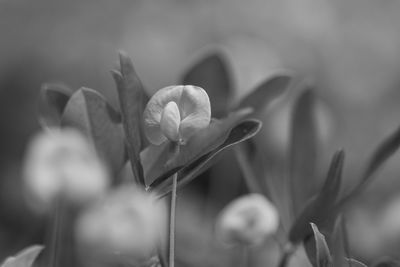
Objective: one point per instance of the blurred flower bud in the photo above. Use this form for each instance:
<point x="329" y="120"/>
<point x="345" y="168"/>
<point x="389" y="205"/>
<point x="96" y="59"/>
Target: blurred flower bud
<point x="248" y="220"/>
<point x="62" y="163"/>
<point x="126" y="225"/>
<point x="176" y="113"/>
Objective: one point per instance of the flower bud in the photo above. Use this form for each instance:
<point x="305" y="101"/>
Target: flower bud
<point x="127" y="224"/>
<point x="248" y="220"/>
<point x="62" y="163"/>
<point x="175" y="113"/>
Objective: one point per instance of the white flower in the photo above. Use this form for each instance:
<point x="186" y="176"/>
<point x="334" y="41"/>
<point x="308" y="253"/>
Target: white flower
<point x="62" y="163"/>
<point x="127" y="223"/>
<point x="248" y="220"/>
<point x="175" y="113"/>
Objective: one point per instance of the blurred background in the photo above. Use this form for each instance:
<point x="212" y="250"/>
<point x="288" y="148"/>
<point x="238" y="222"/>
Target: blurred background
<point x="350" y="48"/>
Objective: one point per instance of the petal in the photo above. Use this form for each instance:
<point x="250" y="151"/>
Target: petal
<point x="170" y="120"/>
<point x="153" y="112"/>
<point x="195" y="111"/>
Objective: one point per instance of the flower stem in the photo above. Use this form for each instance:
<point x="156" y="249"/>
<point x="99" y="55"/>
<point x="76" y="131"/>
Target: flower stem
<point x="54" y="246"/>
<point x="287" y="254"/>
<point x="172" y="222"/>
<point x="245" y="256"/>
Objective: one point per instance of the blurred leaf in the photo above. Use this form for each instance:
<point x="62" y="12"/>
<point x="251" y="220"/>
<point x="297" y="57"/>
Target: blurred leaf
<point x="88" y="111"/>
<point x="336" y="243"/>
<point x="131" y="93"/>
<point x="355" y="263"/>
<point x="303" y="150"/>
<point x="383" y="152"/>
<point x="266" y="92"/>
<point x="387" y="262"/>
<point x="320" y="209"/>
<point x="346" y="244"/>
<point x="318" y="250"/>
<point x="24" y="258"/>
<point x="212" y="74"/>
<point x="53" y="99"/>
<point x="239" y="133"/>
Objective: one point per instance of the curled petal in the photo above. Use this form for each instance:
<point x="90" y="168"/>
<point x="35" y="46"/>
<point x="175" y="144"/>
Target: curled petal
<point x="195" y="111"/>
<point x="153" y="112"/>
<point x="170" y="120"/>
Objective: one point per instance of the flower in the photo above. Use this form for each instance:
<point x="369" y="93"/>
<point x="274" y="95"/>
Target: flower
<point x="126" y="224"/>
<point x="248" y="220"/>
<point x="62" y="163"/>
<point x="175" y="113"/>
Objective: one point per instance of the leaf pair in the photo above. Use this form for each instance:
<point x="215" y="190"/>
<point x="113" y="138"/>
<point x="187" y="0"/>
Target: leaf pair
<point x="88" y="111"/>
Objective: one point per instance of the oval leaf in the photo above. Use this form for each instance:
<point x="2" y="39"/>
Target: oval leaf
<point x="24" y="258"/>
<point x="266" y="92"/>
<point x="320" y="209"/>
<point x="212" y="74"/>
<point x="303" y="150"/>
<point x="387" y="262"/>
<point x="355" y="263"/>
<point x="52" y="101"/>
<point x="241" y="132"/>
<point x="88" y="111"/>
<point x="131" y="94"/>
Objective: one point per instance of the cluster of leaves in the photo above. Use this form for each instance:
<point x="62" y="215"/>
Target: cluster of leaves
<point x="322" y="215"/>
<point x="118" y="136"/>
<point x="117" y="133"/>
<point x="316" y="222"/>
<point x="312" y="216"/>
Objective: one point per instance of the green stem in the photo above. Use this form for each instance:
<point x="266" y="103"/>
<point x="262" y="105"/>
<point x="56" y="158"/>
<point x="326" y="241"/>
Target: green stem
<point x="287" y="253"/>
<point x="54" y="246"/>
<point x="247" y="171"/>
<point x="172" y="222"/>
<point x="245" y="256"/>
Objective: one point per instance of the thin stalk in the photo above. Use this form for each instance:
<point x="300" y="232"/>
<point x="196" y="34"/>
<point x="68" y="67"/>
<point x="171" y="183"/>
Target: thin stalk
<point x="54" y="246"/>
<point x="247" y="171"/>
<point x="287" y="254"/>
<point x="172" y="222"/>
<point x="245" y="256"/>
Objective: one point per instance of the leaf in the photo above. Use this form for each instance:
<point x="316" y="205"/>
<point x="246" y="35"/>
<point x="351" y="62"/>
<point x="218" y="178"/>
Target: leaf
<point x="52" y="101"/>
<point x="320" y="209"/>
<point x="160" y="162"/>
<point x="24" y="258"/>
<point x="383" y="152"/>
<point x="387" y="262"/>
<point x="266" y="92"/>
<point x="212" y="74"/>
<point x="131" y="93"/>
<point x="355" y="263"/>
<point x="337" y="242"/>
<point x="88" y="111"/>
<point x="318" y="249"/>
<point x="239" y="133"/>
<point x="303" y="150"/>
